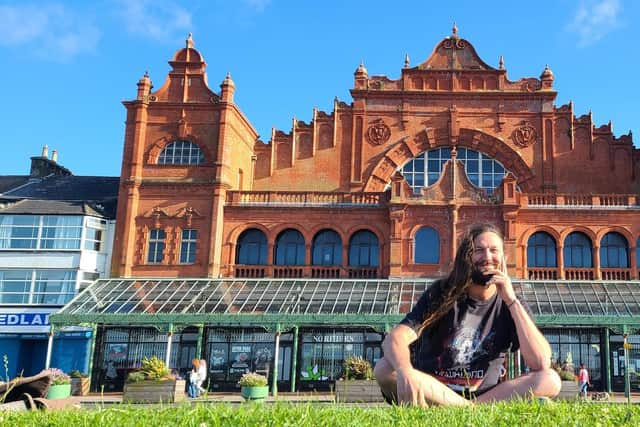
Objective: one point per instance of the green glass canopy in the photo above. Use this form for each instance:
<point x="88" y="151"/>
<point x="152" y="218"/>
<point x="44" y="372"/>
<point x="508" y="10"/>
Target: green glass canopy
<point x="266" y="302"/>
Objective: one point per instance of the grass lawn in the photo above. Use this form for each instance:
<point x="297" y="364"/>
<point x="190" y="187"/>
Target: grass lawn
<point x="518" y="414"/>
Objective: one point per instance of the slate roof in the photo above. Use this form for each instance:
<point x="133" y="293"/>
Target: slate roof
<point x="66" y="195"/>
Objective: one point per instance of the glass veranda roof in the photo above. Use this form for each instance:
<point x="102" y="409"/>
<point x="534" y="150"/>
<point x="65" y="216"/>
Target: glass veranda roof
<point x="313" y="301"/>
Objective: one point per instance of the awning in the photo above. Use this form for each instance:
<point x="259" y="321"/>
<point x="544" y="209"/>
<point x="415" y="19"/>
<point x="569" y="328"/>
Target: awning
<point x="266" y="302"/>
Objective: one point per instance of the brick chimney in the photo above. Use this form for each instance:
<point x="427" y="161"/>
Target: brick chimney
<point x="42" y="166"/>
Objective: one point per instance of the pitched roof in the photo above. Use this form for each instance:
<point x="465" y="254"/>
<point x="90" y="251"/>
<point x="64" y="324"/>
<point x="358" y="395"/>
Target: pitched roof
<point x="86" y="195"/>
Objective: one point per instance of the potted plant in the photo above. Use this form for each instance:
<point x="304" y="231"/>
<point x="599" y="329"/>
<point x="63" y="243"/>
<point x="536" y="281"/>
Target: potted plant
<point x="253" y="386"/>
<point x="570" y="388"/>
<point x="153" y="383"/>
<point x="60" y="386"/>
<point x="357" y="383"/>
<point x="79" y="383"/>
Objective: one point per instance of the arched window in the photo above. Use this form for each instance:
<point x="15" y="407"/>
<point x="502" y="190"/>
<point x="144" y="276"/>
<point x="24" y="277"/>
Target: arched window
<point x="577" y="251"/>
<point x="327" y="248"/>
<point x="289" y="248"/>
<point x="427" y="246"/>
<point x="181" y="153"/>
<point x="363" y="249"/>
<point x="541" y="250"/>
<point x="425" y="169"/>
<point x="614" y="251"/>
<point x="251" y="248"/>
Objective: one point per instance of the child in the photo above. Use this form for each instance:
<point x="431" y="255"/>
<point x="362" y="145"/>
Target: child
<point x="193" y="390"/>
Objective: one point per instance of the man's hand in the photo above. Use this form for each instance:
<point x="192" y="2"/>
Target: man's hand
<point x="503" y="283"/>
<point x="410" y="389"/>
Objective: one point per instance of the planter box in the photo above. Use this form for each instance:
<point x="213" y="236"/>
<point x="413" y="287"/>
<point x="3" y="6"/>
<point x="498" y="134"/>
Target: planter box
<point x="569" y="390"/>
<point x="358" y="391"/>
<point x="80" y="386"/>
<point x="255" y="393"/>
<point x="60" y="391"/>
<point x="168" y="391"/>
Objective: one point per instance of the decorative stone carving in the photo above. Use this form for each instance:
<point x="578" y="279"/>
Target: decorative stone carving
<point x="378" y="132"/>
<point x="524" y="135"/>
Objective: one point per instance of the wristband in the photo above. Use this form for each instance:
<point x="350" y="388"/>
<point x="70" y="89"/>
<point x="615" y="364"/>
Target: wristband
<point x="515" y="300"/>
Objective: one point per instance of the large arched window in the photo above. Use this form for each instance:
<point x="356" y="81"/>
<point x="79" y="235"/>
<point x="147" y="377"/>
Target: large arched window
<point x="614" y="251"/>
<point x="289" y="248"/>
<point x="251" y="248"/>
<point x="425" y="169"/>
<point x="541" y="250"/>
<point x="181" y="153"/>
<point x="327" y="248"/>
<point x="427" y="246"/>
<point x="363" y="249"/>
<point x="577" y="251"/>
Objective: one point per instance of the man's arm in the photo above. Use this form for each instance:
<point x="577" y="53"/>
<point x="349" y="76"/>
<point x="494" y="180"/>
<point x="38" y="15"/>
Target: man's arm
<point x="396" y="347"/>
<point x="534" y="347"/>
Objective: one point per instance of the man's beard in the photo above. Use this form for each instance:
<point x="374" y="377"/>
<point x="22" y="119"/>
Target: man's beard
<point x="480" y="278"/>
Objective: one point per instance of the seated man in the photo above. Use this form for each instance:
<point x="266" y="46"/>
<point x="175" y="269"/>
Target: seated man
<point x="451" y="347"/>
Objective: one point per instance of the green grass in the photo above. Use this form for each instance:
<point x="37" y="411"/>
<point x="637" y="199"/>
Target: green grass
<point x="518" y="414"/>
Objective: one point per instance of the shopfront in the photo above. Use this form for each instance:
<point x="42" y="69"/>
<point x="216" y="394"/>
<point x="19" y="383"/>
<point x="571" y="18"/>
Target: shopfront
<point x="299" y="332"/>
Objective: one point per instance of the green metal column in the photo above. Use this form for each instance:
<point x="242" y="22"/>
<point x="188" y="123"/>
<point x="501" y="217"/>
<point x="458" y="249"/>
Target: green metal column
<point x="167" y="358"/>
<point x="607" y="361"/>
<point x="94" y="332"/>
<point x="276" y="355"/>
<point x="294" y="359"/>
<point x="47" y="360"/>
<point x="199" y="342"/>
<point x="511" y="370"/>
<point x="627" y="379"/>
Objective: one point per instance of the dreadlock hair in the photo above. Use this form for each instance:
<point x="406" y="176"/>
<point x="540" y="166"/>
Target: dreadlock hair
<point x="445" y="292"/>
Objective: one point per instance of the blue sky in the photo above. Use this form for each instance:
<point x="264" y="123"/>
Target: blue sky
<point x="68" y="65"/>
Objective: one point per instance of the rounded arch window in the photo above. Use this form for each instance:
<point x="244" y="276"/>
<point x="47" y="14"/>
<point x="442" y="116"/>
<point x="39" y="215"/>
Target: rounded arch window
<point x="181" y="152"/>
<point x="427" y="246"/>
<point x="252" y="248"/>
<point x="425" y="169"/>
<point x="577" y="251"/>
<point x="364" y="249"/>
<point x="541" y="250"/>
<point x="614" y="251"/>
<point x="289" y="248"/>
<point x="327" y="248"/>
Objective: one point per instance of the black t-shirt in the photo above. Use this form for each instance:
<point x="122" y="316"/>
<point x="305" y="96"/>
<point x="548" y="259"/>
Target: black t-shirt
<point x="466" y="348"/>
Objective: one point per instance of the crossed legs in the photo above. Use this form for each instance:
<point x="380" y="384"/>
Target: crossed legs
<point x="545" y="383"/>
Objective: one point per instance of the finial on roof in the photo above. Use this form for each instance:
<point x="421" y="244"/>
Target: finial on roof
<point x="501" y="63"/>
<point x="190" y="41"/>
<point x="146" y="74"/>
<point x="406" y="60"/>
<point x="454" y="30"/>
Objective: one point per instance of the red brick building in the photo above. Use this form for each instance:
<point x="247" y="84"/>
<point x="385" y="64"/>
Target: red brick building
<point x="325" y="235"/>
<point x="192" y="161"/>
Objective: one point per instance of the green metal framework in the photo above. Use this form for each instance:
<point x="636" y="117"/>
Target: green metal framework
<point x="278" y="304"/>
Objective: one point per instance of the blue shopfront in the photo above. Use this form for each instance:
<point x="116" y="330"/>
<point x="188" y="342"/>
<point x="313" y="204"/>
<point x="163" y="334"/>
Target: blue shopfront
<point x="24" y="338"/>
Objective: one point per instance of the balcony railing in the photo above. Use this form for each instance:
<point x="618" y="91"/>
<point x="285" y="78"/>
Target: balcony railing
<point x="304" y="271"/>
<point x="579" y="273"/>
<point x="305" y="198"/>
<point x="609" y="201"/>
<point x="542" y="273"/>
<point x="615" y="273"/>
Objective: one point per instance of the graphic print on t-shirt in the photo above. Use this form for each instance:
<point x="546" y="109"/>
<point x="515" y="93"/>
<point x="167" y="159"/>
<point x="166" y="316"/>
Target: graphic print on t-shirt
<point x="465" y="356"/>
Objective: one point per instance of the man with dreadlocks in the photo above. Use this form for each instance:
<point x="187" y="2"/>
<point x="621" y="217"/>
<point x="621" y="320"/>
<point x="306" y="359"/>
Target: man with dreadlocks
<point x="451" y="347"/>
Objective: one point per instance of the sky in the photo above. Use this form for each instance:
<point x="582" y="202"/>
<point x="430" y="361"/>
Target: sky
<point x="68" y="65"/>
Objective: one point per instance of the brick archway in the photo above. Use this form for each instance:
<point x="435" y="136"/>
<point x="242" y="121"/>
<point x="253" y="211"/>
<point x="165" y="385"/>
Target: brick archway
<point x="407" y="148"/>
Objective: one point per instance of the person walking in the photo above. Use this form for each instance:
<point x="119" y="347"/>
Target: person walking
<point x="202" y="375"/>
<point x="192" y="389"/>
<point x="583" y="379"/>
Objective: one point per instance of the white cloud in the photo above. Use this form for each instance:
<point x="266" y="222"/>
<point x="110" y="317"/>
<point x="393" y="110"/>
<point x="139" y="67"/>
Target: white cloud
<point x="155" y="19"/>
<point x="49" y="31"/>
<point x="594" y="19"/>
